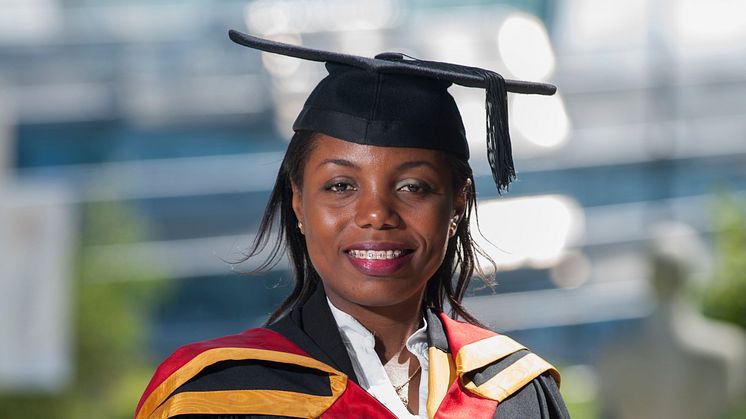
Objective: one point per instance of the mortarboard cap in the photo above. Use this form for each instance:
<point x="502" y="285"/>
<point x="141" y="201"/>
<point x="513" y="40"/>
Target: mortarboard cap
<point x="394" y="100"/>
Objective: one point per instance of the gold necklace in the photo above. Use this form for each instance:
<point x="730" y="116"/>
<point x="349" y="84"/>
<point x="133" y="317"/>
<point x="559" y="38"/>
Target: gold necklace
<point x="398" y="388"/>
<point x="405" y="398"/>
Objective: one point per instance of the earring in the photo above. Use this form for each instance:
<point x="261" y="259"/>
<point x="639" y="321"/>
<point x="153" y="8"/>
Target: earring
<point x="300" y="227"/>
<point x="454" y="225"/>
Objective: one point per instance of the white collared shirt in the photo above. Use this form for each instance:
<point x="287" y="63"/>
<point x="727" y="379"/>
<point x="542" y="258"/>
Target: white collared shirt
<point x="371" y="376"/>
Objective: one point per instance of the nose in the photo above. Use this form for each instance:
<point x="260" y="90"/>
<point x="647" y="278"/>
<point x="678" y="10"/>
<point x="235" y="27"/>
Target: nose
<point x="375" y="210"/>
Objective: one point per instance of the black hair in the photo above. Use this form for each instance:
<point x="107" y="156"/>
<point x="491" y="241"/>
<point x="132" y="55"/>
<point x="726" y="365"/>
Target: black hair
<point x="460" y="257"/>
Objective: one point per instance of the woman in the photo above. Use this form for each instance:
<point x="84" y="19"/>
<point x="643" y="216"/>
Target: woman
<point x="374" y="199"/>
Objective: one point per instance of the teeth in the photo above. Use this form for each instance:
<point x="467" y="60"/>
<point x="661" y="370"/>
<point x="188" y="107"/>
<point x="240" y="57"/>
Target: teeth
<point x="375" y="254"/>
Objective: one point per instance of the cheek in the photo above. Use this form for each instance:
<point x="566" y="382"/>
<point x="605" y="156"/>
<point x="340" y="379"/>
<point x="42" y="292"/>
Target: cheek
<point x="442" y="228"/>
<point x="439" y="241"/>
<point x="433" y="226"/>
<point x="325" y="221"/>
<point x="323" y="228"/>
<point x="439" y="219"/>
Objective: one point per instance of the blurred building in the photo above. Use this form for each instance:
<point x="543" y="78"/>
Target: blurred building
<point x="150" y="105"/>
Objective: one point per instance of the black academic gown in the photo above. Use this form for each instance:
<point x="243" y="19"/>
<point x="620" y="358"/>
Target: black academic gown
<point x="312" y="327"/>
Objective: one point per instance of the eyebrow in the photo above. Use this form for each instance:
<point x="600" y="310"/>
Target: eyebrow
<point x="339" y="162"/>
<point x="416" y="163"/>
<point x="404" y="166"/>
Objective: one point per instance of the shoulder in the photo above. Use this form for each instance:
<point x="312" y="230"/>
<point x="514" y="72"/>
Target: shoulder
<point x="204" y="377"/>
<point x="540" y="398"/>
<point x="498" y="367"/>
<point x="495" y="366"/>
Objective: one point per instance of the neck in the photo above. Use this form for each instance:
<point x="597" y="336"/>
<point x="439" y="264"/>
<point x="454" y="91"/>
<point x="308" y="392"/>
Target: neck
<point x="391" y="325"/>
<point x="391" y="335"/>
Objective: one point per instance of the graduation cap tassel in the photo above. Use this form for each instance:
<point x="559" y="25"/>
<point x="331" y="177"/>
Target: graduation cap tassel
<point x="499" y="149"/>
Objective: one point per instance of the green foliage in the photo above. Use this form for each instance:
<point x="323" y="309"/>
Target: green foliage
<point x="725" y="298"/>
<point x="583" y="410"/>
<point x="580" y="391"/>
<point x="112" y="301"/>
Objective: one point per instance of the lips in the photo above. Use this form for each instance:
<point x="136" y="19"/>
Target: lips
<point x="377" y="258"/>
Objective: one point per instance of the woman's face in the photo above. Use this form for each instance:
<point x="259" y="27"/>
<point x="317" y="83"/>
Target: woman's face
<point x="376" y="220"/>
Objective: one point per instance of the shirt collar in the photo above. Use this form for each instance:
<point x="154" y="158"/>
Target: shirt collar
<point x="354" y="332"/>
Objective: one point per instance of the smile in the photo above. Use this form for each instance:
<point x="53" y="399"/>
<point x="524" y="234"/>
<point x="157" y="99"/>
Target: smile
<point x="377" y="254"/>
<point x="379" y="259"/>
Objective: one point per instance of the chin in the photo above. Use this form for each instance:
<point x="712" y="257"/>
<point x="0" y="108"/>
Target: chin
<point x="382" y="294"/>
<point x="352" y="286"/>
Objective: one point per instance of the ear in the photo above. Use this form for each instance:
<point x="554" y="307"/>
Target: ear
<point x="460" y="199"/>
<point x="297" y="201"/>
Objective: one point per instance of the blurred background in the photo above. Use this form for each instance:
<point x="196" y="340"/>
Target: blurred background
<point x="138" y="146"/>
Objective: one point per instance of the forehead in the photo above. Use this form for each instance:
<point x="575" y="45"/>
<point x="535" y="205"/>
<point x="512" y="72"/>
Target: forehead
<point x="327" y="148"/>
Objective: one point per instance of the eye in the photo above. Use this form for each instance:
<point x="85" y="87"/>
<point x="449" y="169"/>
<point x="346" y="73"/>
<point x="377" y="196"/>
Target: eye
<point x="414" y="187"/>
<point x="339" y="187"/>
